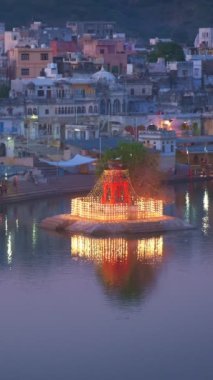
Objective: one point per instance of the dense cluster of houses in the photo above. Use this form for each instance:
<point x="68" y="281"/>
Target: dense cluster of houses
<point x="86" y="79"/>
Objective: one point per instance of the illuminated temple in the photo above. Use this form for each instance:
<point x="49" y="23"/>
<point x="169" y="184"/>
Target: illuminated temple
<point x="113" y="208"/>
<point x="114" y="199"/>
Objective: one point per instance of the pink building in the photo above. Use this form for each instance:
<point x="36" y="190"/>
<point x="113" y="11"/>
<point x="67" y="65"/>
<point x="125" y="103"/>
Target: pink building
<point x="60" y="48"/>
<point x="112" y="51"/>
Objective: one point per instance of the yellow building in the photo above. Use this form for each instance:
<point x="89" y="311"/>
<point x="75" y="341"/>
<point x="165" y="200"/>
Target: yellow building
<point x="28" y="62"/>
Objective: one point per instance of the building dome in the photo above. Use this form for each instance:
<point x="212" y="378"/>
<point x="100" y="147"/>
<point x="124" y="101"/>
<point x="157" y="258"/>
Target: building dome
<point x="104" y="76"/>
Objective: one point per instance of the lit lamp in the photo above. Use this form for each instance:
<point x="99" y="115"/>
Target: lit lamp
<point x="33" y="118"/>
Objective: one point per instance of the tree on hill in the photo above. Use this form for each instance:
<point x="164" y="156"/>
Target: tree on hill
<point x="170" y="51"/>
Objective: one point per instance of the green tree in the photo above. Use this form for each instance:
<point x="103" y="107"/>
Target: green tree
<point x="130" y="154"/>
<point x="143" y="166"/>
<point x="170" y="51"/>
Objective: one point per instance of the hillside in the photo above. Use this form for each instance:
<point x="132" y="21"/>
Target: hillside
<point x="178" y="19"/>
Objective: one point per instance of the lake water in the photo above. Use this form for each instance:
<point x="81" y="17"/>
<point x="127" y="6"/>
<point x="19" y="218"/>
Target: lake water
<point x="101" y="309"/>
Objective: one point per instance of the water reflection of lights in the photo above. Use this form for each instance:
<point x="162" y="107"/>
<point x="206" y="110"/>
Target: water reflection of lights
<point x="9" y="249"/>
<point x="187" y="203"/>
<point x="99" y="250"/>
<point x="206" y="201"/>
<point x="150" y="249"/>
<point x="6" y="226"/>
<point x="34" y="234"/>
<point x="116" y="249"/>
<point x="205" y="219"/>
<point x="126" y="267"/>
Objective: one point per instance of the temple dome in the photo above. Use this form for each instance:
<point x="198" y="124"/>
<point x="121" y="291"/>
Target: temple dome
<point x="104" y="76"/>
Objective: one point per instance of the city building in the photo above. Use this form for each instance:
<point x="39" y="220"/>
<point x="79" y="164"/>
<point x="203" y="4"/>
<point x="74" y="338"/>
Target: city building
<point x="204" y="38"/>
<point x="61" y="48"/>
<point x="100" y="29"/>
<point x="28" y="62"/>
<point x="18" y="37"/>
<point x="163" y="142"/>
<point x="112" y="51"/>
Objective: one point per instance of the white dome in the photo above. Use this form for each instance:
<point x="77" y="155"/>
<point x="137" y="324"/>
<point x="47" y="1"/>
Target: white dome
<point x="103" y="75"/>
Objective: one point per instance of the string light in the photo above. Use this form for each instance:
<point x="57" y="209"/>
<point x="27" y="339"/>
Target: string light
<point x="114" y="199"/>
<point x="116" y="249"/>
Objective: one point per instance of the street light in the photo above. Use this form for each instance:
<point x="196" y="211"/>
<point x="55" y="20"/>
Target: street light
<point x="33" y="118"/>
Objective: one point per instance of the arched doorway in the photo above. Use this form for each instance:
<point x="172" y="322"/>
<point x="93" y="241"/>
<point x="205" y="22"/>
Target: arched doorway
<point x="108" y="107"/>
<point x="116" y="107"/>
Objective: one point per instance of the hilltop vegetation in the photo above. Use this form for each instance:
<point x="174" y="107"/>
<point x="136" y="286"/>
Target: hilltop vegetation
<point x="178" y="19"/>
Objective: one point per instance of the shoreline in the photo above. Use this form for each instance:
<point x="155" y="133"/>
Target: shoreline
<point x="68" y="184"/>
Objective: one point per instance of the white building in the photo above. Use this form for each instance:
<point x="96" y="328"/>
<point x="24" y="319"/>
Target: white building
<point x="156" y="40"/>
<point x="160" y="140"/>
<point x="204" y="38"/>
<point x="163" y="142"/>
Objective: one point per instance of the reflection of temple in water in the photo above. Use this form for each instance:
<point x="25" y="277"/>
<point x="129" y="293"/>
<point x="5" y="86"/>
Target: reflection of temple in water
<point x="116" y="249"/>
<point x="126" y="267"/>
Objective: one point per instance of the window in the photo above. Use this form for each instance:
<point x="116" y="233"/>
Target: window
<point x="44" y="57"/>
<point x="46" y="111"/>
<point x="205" y="34"/>
<point x="132" y="91"/>
<point x="25" y="71"/>
<point x="143" y="90"/>
<point x="101" y="51"/>
<point x="172" y="148"/>
<point x="40" y="93"/>
<point x="25" y="57"/>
